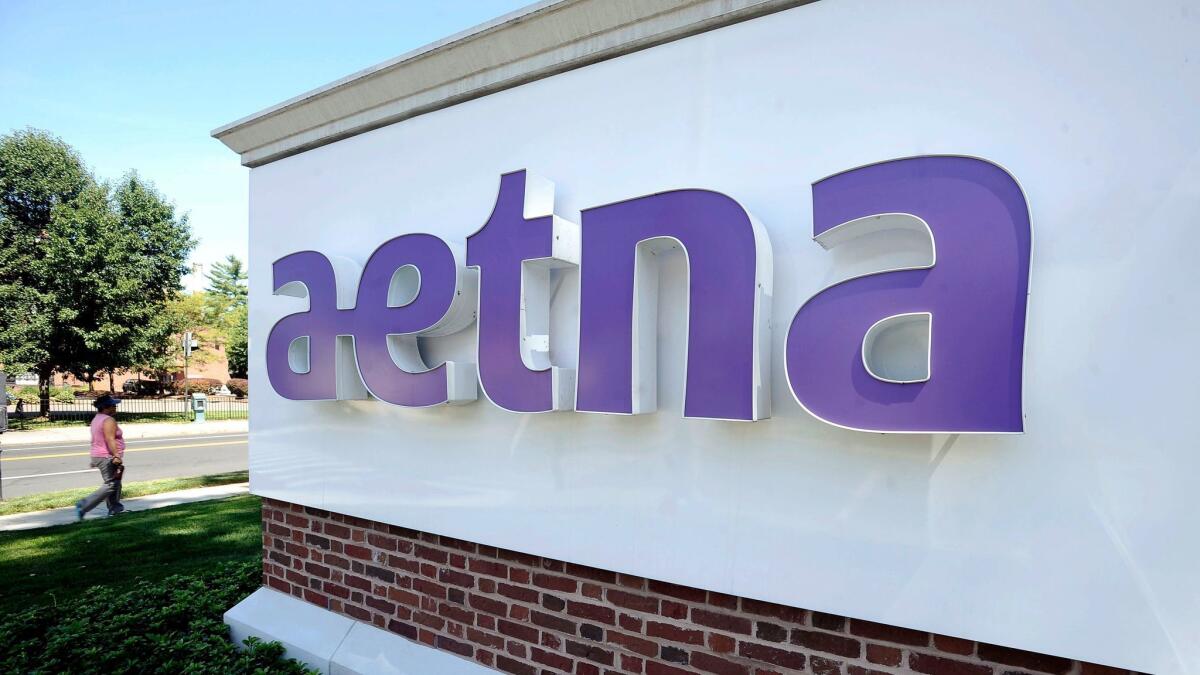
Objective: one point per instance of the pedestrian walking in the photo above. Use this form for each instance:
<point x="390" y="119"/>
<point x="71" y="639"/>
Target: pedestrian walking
<point x="108" y="455"/>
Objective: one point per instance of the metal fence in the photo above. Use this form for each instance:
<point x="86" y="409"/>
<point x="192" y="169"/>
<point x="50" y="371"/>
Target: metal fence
<point x="133" y="409"/>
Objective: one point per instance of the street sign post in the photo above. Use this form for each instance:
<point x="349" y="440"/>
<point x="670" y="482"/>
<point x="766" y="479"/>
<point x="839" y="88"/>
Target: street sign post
<point x="187" y="353"/>
<point x="3" y="421"/>
<point x="3" y="402"/>
<point x="189" y="343"/>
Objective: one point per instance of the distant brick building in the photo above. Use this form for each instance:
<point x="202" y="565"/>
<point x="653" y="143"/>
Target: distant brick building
<point x="214" y="364"/>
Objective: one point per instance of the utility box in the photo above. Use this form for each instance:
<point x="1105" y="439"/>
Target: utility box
<point x="199" y="406"/>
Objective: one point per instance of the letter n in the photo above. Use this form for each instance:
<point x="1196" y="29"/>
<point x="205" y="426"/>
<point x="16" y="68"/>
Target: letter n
<point x="729" y="302"/>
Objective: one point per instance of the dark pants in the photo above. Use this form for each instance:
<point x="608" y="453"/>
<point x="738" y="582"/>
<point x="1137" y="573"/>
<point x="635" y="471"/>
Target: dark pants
<point x="110" y="491"/>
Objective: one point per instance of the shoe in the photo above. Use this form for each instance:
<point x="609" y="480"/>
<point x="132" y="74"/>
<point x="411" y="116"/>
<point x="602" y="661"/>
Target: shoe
<point x="79" y="510"/>
<point x="118" y="512"/>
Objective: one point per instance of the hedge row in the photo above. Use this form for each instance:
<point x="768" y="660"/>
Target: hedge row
<point x="238" y="387"/>
<point x="204" y="385"/>
<point x="172" y="626"/>
<point x="30" y="394"/>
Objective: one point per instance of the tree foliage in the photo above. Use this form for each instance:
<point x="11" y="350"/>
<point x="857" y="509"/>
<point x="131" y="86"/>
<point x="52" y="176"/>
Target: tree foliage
<point x="151" y="253"/>
<point x="182" y="313"/>
<point x="226" y="309"/>
<point x="38" y="172"/>
<point x="81" y="235"/>
<point x="86" y="268"/>
<point x="227" y="283"/>
<point x="237" y="350"/>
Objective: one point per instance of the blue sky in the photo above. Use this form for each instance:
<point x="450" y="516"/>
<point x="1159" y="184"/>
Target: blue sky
<point x="140" y="84"/>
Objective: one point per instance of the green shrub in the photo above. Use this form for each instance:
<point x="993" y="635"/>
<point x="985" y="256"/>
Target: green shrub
<point x="239" y="387"/>
<point x="30" y="395"/>
<point x="172" y="626"/>
<point x="203" y="385"/>
<point x="27" y="394"/>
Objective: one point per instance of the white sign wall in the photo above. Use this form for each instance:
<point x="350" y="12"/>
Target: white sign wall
<point x="1077" y="538"/>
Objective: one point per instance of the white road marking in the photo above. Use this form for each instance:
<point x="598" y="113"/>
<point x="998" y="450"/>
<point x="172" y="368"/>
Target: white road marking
<point x="159" y="448"/>
<point x="164" y="439"/>
<point x="43" y="475"/>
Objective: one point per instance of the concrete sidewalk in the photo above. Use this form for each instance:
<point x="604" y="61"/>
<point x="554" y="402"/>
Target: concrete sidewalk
<point x="64" y="516"/>
<point x="133" y="431"/>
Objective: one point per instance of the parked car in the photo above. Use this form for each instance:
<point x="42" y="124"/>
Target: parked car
<point x="141" y="387"/>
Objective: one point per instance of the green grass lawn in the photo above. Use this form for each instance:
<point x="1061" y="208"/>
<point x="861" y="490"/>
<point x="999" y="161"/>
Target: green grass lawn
<point x="47" y="566"/>
<point x="54" y="500"/>
<point x="16" y="425"/>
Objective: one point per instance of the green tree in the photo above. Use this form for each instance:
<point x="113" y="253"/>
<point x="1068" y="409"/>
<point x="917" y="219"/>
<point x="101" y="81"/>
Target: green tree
<point x="238" y="343"/>
<point x="38" y="172"/>
<point x="154" y="248"/>
<point x="163" y="353"/>
<point x="225" y="305"/>
<point x="227" y="283"/>
<point x="84" y="268"/>
<point x="98" y="270"/>
<point x="184" y="312"/>
<point x="119" y="256"/>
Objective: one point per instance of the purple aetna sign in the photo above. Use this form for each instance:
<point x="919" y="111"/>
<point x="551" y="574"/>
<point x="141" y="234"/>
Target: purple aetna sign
<point x="934" y="346"/>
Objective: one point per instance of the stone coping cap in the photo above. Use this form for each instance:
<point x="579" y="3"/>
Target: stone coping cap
<point x="543" y="39"/>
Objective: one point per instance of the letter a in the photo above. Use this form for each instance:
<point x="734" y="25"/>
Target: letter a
<point x="967" y="302"/>
<point x="308" y="359"/>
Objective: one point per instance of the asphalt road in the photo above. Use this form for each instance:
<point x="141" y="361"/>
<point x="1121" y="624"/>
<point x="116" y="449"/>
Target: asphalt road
<point x="29" y="469"/>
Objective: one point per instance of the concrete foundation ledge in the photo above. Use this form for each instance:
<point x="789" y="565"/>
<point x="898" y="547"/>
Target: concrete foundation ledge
<point x="333" y="643"/>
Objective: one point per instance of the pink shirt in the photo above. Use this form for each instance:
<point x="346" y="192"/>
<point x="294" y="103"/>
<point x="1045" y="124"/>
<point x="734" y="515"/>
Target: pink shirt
<point x="99" y="447"/>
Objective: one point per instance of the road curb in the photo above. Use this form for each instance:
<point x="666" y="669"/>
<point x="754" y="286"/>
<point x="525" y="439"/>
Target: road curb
<point x="135" y="431"/>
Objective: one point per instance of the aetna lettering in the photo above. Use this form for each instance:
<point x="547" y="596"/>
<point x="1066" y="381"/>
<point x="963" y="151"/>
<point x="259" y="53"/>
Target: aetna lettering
<point x="960" y="315"/>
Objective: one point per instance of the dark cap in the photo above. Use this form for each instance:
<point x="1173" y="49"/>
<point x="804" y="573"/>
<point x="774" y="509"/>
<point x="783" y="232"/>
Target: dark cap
<point x="105" y="401"/>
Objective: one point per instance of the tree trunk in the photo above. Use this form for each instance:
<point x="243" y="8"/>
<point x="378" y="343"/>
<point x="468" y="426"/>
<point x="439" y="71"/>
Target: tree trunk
<point x="111" y="388"/>
<point x="91" y="380"/>
<point x="44" y="392"/>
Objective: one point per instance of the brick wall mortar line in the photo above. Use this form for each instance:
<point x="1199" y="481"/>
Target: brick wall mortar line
<point x="455" y="568"/>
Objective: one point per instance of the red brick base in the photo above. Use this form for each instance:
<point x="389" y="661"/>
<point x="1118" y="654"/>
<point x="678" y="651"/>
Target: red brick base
<point x="525" y="614"/>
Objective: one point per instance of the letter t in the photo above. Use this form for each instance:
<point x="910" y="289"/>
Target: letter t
<point x="515" y="251"/>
